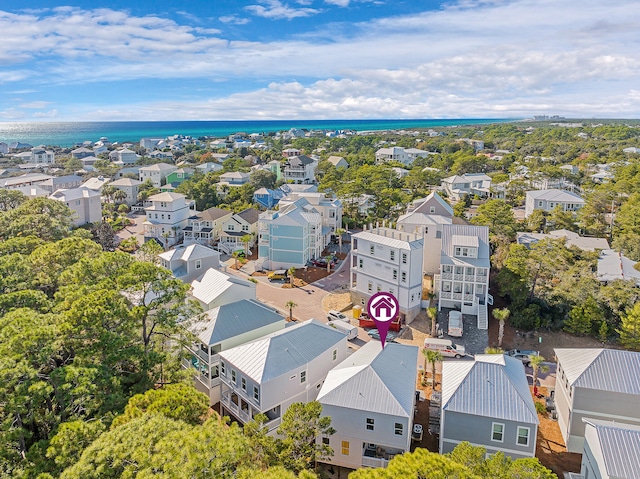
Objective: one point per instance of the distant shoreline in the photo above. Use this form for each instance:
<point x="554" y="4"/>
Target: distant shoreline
<point x="69" y="134"/>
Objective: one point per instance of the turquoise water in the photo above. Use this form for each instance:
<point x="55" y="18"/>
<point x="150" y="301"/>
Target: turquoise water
<point x="67" y="134"/>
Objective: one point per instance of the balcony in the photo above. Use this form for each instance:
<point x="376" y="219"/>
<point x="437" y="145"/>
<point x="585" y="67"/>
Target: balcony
<point x="374" y="462"/>
<point x="458" y="277"/>
<point x="446" y="276"/>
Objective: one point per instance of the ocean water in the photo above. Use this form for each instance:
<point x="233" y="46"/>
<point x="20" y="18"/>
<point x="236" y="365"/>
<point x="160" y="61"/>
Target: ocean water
<point x="67" y="134"/>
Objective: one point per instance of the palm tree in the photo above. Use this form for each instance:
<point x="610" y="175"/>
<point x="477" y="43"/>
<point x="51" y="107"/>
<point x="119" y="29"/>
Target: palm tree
<point x="235" y="257"/>
<point x="291" y="305"/>
<point x="119" y="196"/>
<point x="491" y="350"/>
<point x="432" y="312"/>
<point x="339" y="232"/>
<point x="501" y="315"/>
<point x="246" y="239"/>
<point x="292" y="271"/>
<point x="433" y="357"/>
<point x="108" y="192"/>
<point x="536" y="364"/>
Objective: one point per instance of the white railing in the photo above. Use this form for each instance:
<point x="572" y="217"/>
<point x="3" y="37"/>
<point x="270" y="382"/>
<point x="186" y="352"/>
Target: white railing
<point x="374" y="462"/>
<point x="447" y="276"/>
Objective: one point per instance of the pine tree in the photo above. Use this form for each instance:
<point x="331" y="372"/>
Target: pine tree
<point x="630" y="328"/>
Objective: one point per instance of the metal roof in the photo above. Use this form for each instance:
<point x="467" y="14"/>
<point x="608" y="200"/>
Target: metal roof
<point x="214" y="283"/>
<point x="399" y="239"/>
<point x="188" y="253"/>
<point x="478" y="235"/>
<point x="555" y="195"/>
<point x="374" y="379"/>
<point x="620" y="446"/>
<point x="233" y="319"/>
<point x="494" y="385"/>
<point x="610" y="370"/>
<point x="284" y="351"/>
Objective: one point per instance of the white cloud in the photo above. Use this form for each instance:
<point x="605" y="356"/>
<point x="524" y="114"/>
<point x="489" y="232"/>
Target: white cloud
<point x="477" y="58"/>
<point x="276" y="10"/>
<point x="234" y="19"/>
<point x="37" y="105"/>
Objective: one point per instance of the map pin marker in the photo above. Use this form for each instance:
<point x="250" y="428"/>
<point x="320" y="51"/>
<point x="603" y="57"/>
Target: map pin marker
<point x="383" y="308"/>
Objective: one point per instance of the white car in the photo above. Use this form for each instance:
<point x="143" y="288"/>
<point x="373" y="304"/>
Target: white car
<point x="336" y="315"/>
<point x="455" y="324"/>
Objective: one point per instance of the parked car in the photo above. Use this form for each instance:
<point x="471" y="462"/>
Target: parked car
<point x="523" y="355"/>
<point x="336" y="315"/>
<point x="445" y="347"/>
<point x="349" y="329"/>
<point x="375" y="334"/>
<point x="455" y="324"/>
<point x="277" y="275"/>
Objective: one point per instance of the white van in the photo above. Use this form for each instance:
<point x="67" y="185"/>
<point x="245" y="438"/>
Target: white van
<point x="445" y="347"/>
<point x="349" y="329"/>
<point x="455" y="324"/>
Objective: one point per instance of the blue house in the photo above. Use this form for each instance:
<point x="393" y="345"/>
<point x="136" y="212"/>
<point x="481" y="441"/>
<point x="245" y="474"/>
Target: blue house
<point x="267" y="198"/>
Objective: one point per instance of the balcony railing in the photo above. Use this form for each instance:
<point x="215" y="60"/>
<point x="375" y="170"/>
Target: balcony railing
<point x="447" y="276"/>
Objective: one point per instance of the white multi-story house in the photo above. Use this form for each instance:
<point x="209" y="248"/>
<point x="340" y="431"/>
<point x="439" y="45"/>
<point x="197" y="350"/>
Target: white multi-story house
<point x="370" y="398"/>
<point x="167" y="215"/>
<point x="130" y="187"/>
<point x="29" y="179"/>
<point x="385" y="259"/>
<point x="299" y="169"/>
<point x="150" y="143"/>
<point x="330" y="209"/>
<point x="40" y="156"/>
<point x="290" y="236"/>
<point x="547" y="200"/>
<point x="234" y="178"/>
<point x="237" y="227"/>
<point x="188" y="262"/>
<point x="83" y="202"/>
<point x="208" y="167"/>
<point x="469" y="184"/>
<point x="394" y="153"/>
<point x="338" y="161"/>
<point x="216" y="288"/>
<point x="266" y="376"/>
<point x="426" y="216"/>
<point x="205" y="226"/>
<point x="289" y="152"/>
<point x="65" y="182"/>
<point x="222" y="328"/>
<point x="157" y="173"/>
<point x="124" y="156"/>
<point x="464" y="271"/>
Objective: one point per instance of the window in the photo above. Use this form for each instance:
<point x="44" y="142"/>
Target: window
<point x="168" y="217"/>
<point x="447" y="268"/>
<point x="497" y="431"/>
<point x="244" y="384"/>
<point x="303" y="377"/>
<point x="223" y="369"/>
<point x="404" y="277"/>
<point x="245" y="227"/>
<point x="233" y="375"/>
<point x="432" y="209"/>
<point x="523" y="436"/>
<point x="372" y="249"/>
<point x="369" y="286"/>
<point x="457" y="287"/>
<point x="360" y="263"/>
<point x="163" y="204"/>
<point x="404" y="258"/>
<point x="392" y="255"/>
<point x="397" y="429"/>
<point x="370" y="424"/>
<point x="345" y="448"/>
<point x="256" y="393"/>
<point x="325" y="441"/>
<point x="198" y="264"/>
<point x="395" y="274"/>
<point x="335" y="354"/>
<point x="446" y="286"/>
<point x="230" y="227"/>
<point x="413" y="297"/>
<point x="459" y="269"/>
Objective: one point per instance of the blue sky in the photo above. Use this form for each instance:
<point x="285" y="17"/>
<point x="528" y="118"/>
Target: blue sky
<point x="317" y="59"/>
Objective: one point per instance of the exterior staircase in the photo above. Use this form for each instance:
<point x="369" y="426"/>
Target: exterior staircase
<point x="483" y="320"/>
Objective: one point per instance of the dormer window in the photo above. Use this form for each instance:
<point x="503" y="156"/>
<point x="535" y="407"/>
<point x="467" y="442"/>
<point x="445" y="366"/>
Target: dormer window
<point x="465" y="252"/>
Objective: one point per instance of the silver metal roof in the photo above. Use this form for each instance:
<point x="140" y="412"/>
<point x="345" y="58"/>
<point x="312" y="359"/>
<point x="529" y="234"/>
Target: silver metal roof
<point x="555" y="195"/>
<point x="620" y="446"/>
<point x="374" y="379"/>
<point x="232" y="319"/>
<point x="392" y="238"/>
<point x="494" y="385"/>
<point x="214" y="282"/>
<point x="611" y="370"/>
<point x="278" y="353"/>
<point x="454" y="232"/>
